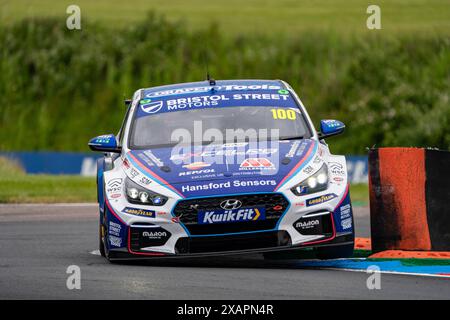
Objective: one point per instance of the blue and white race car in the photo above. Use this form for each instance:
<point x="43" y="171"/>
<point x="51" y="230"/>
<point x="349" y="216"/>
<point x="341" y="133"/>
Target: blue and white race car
<point x="221" y="167"/>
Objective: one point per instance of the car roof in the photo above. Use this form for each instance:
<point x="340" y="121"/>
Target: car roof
<point x="217" y="86"/>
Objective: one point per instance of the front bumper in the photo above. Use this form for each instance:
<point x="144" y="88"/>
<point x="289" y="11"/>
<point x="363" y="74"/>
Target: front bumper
<point x="232" y="245"/>
<point x="147" y="239"/>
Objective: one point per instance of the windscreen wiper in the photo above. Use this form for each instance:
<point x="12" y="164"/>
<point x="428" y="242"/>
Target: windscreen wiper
<point x="293" y="138"/>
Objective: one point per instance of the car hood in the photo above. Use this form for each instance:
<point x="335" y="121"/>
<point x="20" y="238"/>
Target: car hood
<point x="227" y="168"/>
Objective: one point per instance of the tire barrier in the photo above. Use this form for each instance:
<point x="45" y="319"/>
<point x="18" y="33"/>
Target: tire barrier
<point x="409" y="192"/>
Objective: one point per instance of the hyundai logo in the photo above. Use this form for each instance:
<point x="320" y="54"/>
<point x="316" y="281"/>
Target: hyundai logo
<point x="230" y="204"/>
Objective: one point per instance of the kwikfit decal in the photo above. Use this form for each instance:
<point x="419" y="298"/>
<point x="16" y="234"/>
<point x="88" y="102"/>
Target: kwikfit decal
<point x="227" y="216"/>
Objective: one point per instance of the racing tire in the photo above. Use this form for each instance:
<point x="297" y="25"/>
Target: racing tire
<point x="335" y="252"/>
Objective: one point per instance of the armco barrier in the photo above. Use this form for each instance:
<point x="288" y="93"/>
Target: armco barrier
<point x="409" y="192"/>
<point x="55" y="162"/>
<point x="85" y="163"/>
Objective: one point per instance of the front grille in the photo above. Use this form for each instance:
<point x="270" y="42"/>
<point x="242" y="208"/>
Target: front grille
<point x="261" y="240"/>
<point x="275" y="205"/>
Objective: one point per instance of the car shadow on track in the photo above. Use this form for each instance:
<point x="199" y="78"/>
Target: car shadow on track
<point x="228" y="261"/>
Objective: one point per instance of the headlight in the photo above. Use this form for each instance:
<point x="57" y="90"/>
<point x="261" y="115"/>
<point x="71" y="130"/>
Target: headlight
<point x="315" y="183"/>
<point x="139" y="195"/>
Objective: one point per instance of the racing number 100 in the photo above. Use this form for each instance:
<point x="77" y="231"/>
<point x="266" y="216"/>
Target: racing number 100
<point x="282" y="114"/>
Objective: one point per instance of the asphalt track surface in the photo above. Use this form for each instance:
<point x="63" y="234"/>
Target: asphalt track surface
<point x="39" y="242"/>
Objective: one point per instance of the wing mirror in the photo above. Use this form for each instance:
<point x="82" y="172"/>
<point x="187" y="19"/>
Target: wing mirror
<point x="330" y="128"/>
<point x="105" y="143"/>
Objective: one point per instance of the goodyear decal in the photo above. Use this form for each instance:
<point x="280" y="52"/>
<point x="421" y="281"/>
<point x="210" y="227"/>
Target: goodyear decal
<point x="140" y="212"/>
<point x="321" y="199"/>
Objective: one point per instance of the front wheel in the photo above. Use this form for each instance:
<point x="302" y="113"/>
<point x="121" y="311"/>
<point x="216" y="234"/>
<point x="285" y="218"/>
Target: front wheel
<point x="335" y="252"/>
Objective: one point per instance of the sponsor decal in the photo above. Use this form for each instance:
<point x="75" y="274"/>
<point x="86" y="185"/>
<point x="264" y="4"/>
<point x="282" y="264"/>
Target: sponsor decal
<point x="223" y="151"/>
<point x="338" y="179"/>
<point x="126" y="164"/>
<point x="114" y="229"/>
<point x="176" y="220"/>
<point x="114" y="187"/>
<point x="133" y="173"/>
<point x="317" y="159"/>
<point x="311" y="225"/>
<point x="196" y="172"/>
<point x="154" y="235"/>
<point x="196" y="165"/>
<point x="204" y="89"/>
<point x="154" y="159"/>
<point x="305" y="225"/>
<point x="336" y="168"/>
<point x="145" y="180"/>
<point x="104" y="139"/>
<point x="300" y="204"/>
<point x="151" y="107"/>
<point x="235" y="152"/>
<point x="345" y="211"/>
<point x="293" y="149"/>
<point x="227" y="216"/>
<point x="332" y="123"/>
<point x="320" y="151"/>
<point x="115" y="241"/>
<point x="210" y="100"/>
<point x="235" y="145"/>
<point x="256" y="163"/>
<point x="308" y="170"/>
<point x="301" y="149"/>
<point x="228" y="184"/>
<point x="140" y="212"/>
<point x="321" y="199"/>
<point x="346" y="223"/>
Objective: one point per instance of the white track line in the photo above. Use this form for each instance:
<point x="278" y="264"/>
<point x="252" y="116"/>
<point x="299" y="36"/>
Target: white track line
<point x="95" y="252"/>
<point x="391" y="272"/>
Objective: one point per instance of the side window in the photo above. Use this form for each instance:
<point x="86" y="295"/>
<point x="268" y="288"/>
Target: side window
<point x="122" y="128"/>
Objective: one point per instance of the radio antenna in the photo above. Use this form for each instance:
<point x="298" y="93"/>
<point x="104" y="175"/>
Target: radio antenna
<point x="211" y="81"/>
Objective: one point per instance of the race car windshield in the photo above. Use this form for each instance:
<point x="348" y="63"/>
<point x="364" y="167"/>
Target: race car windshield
<point x="218" y="125"/>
